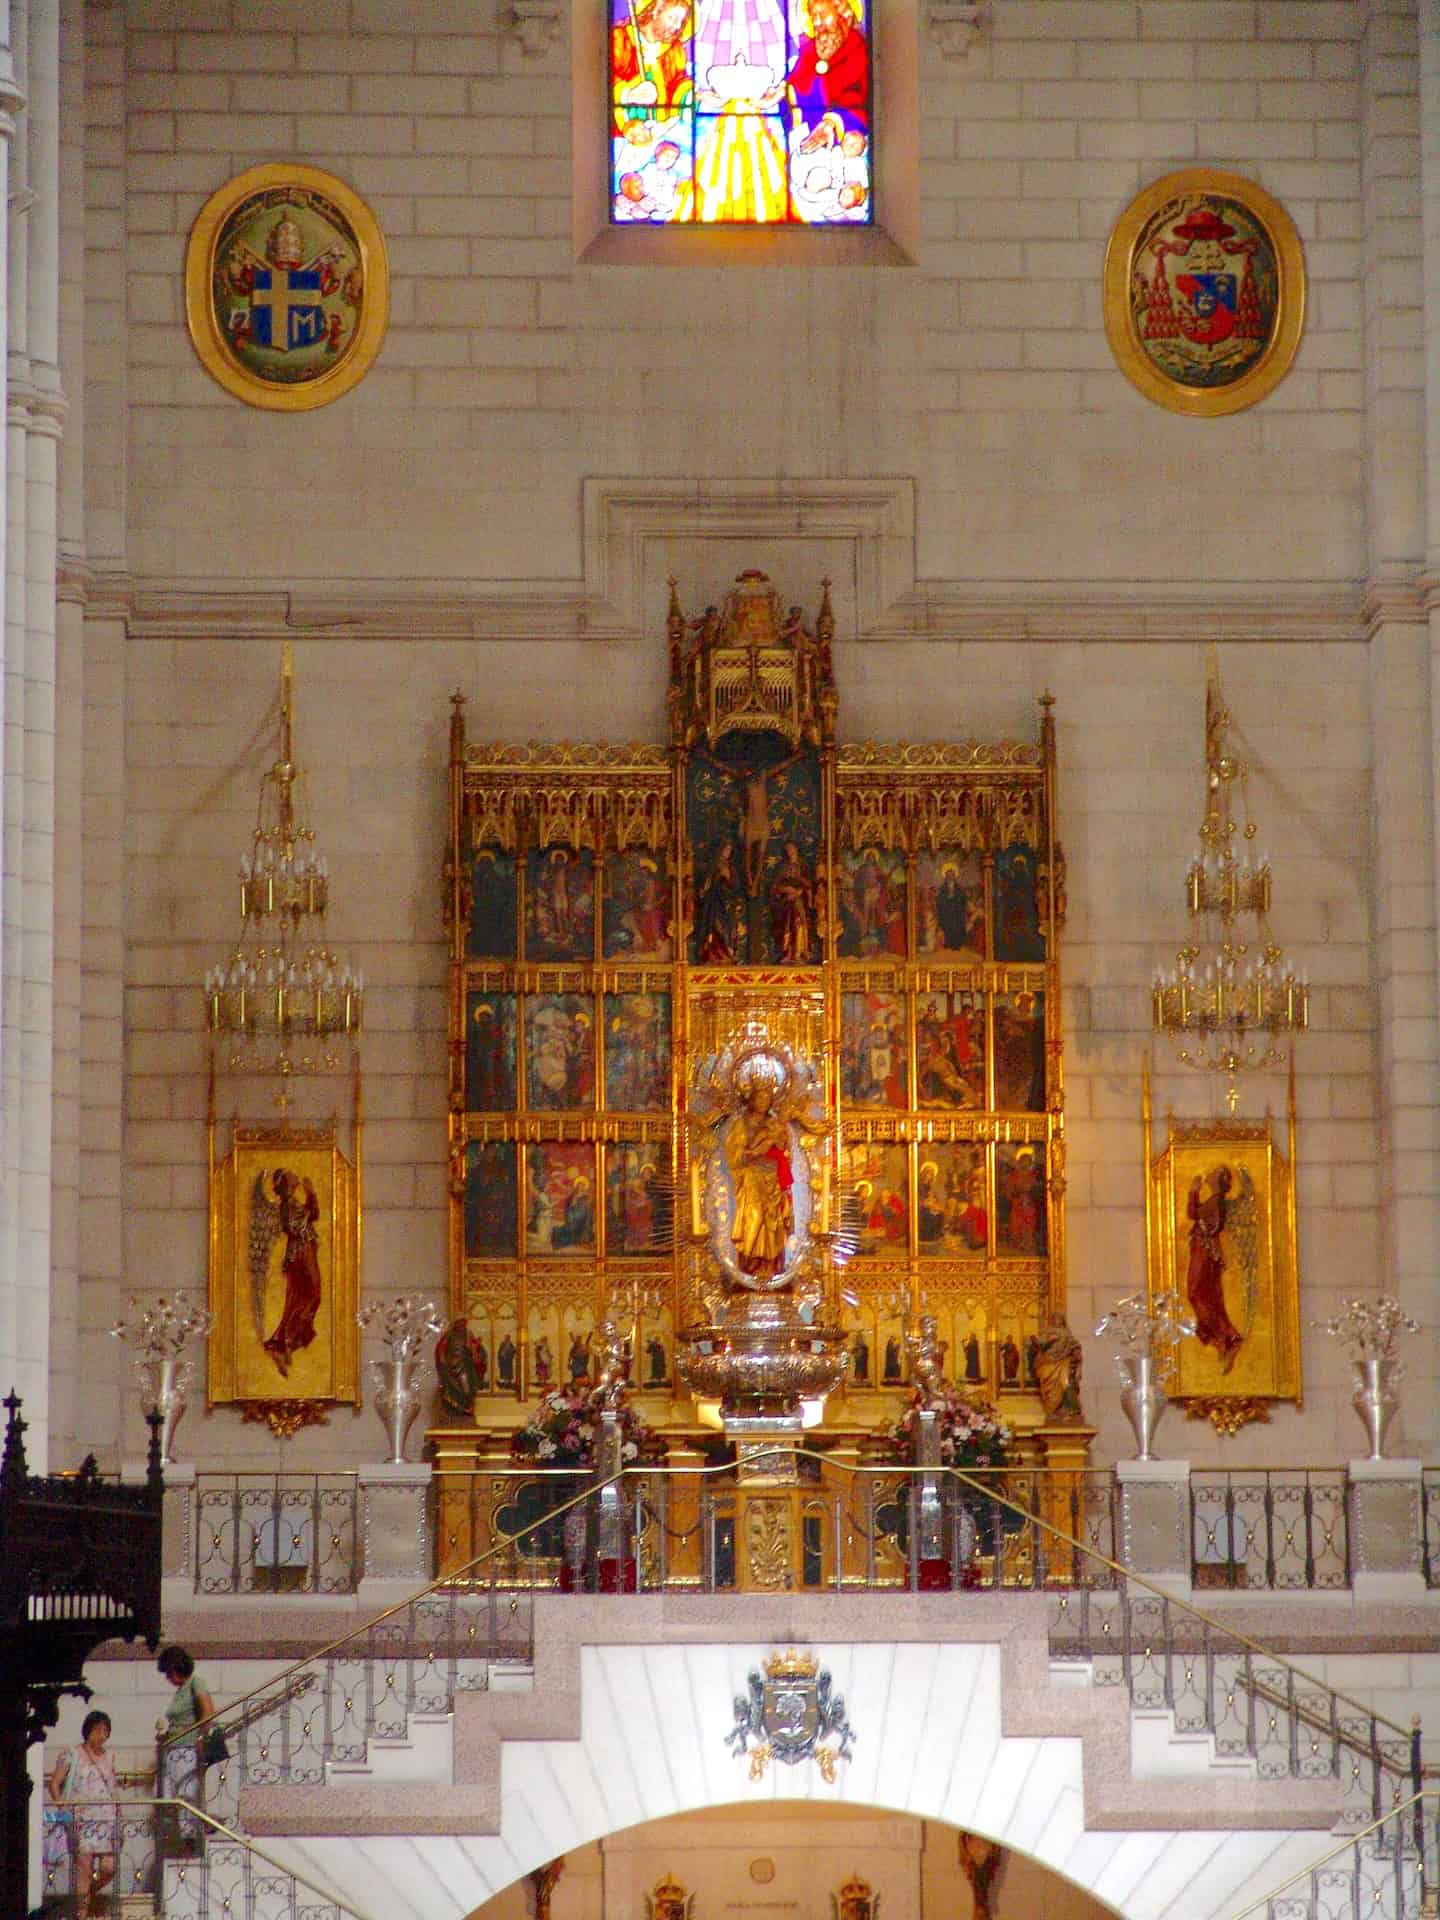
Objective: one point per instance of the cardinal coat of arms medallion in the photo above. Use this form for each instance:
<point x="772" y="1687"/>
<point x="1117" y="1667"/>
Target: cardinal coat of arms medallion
<point x="791" y="1714"/>
<point x="1204" y="292"/>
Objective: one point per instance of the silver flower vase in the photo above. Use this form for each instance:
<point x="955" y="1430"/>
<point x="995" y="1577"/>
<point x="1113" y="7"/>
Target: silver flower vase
<point x="1375" y="1398"/>
<point x="1142" y="1397"/>
<point x="397" y="1400"/>
<point x="162" y="1391"/>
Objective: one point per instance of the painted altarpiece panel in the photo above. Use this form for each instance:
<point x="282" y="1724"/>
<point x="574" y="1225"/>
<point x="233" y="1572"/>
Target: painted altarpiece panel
<point x="891" y="911"/>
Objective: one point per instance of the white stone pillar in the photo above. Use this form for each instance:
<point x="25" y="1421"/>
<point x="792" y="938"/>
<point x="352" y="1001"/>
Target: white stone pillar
<point x="1425" y="1369"/>
<point x="22" y="1331"/>
<point x="109" y="1388"/>
<point x="1386" y="1551"/>
<point x="67" y="1431"/>
<point x="34" y="410"/>
<point x="396" y="1547"/>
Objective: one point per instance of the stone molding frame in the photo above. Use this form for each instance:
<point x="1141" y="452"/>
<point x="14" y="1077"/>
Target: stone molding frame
<point x="893" y="241"/>
<point x="862" y="532"/>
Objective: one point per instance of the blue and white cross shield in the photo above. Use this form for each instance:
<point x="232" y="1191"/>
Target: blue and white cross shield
<point x="285" y="309"/>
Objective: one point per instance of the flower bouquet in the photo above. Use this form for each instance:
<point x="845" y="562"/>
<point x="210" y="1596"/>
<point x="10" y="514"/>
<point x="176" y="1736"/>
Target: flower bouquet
<point x="564" y="1432"/>
<point x="972" y="1435"/>
<point x="1369" y="1328"/>
<point x="564" y="1429"/>
<point x="158" y="1335"/>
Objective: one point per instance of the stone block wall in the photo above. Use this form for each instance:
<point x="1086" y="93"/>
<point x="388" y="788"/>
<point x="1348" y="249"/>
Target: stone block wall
<point x="510" y="374"/>
<point x="440" y="527"/>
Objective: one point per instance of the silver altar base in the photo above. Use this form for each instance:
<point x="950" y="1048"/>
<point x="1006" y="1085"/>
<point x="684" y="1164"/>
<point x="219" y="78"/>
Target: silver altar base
<point x="765" y="1447"/>
<point x="765" y="1361"/>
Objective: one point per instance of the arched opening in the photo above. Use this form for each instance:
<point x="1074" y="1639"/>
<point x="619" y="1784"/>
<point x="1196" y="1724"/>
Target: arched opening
<point x="793" y="1860"/>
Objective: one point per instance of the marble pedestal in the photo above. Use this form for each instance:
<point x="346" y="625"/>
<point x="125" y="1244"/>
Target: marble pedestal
<point x="395" y="1532"/>
<point x="1386" y="1546"/>
<point x="1155" y="1522"/>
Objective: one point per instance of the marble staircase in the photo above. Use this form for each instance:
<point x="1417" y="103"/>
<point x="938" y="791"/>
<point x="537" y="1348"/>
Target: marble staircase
<point x="626" y="1717"/>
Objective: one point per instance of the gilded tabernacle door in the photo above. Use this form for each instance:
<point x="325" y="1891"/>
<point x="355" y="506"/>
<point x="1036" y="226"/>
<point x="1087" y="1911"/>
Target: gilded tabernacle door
<point x="621" y="915"/>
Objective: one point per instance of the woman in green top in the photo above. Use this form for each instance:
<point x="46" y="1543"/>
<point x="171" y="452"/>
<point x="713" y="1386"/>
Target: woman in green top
<point x="191" y="1702"/>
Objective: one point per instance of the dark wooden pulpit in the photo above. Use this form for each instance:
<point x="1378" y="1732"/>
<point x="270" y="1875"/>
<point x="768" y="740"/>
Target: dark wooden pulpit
<point x="80" y="1563"/>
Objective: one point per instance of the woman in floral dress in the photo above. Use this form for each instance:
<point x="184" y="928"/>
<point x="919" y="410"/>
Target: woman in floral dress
<point x="83" y="1778"/>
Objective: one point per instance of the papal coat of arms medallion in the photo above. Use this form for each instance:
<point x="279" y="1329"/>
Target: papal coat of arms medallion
<point x="1204" y="292"/>
<point x="286" y="287"/>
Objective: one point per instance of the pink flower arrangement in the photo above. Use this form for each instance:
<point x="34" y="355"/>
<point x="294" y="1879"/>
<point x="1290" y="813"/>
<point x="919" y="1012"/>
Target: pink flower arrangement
<point x="564" y="1428"/>
<point x="972" y="1434"/>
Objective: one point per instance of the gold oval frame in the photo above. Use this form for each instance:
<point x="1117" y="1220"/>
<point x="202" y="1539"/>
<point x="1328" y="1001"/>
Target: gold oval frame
<point x="208" y="338"/>
<point x="1273" y="364"/>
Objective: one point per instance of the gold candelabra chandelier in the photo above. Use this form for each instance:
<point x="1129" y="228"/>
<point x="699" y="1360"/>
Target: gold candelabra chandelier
<point x="1232" y="994"/>
<point x="283" y="1000"/>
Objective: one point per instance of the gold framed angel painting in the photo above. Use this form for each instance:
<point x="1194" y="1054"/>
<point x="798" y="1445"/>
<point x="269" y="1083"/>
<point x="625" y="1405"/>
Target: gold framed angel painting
<point x="284" y="1256"/>
<point x="1220" y="1232"/>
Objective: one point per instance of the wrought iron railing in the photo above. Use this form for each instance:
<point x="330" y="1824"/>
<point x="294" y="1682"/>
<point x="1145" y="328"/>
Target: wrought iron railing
<point x="175" y="1859"/>
<point x="412" y="1660"/>
<point x="276" y="1533"/>
<point x="1250" y="1702"/>
<point x="1386" y="1871"/>
<point x="1270" y="1527"/>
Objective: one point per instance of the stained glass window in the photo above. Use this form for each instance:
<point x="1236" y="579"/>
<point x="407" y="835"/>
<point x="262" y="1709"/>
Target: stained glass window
<point x="740" y="113"/>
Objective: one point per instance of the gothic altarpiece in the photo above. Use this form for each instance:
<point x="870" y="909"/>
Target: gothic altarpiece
<point x="618" y="915"/>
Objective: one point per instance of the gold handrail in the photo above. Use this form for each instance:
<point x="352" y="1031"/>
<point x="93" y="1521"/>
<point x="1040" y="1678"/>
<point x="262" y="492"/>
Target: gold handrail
<point x="963" y="1476"/>
<point x="1350" y="1840"/>
<point x="240" y="1840"/>
<point x="1307" y="1716"/>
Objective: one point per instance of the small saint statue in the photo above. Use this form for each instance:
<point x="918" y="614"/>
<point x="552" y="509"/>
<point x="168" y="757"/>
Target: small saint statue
<point x="1059" y="1362"/>
<point x="927" y="1355"/>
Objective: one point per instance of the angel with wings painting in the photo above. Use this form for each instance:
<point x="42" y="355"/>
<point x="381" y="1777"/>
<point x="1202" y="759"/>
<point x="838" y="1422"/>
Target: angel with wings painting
<point x="1219" y="1214"/>
<point x="290" y="1208"/>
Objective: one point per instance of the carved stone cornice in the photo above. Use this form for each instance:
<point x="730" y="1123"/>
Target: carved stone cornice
<point x="861" y="532"/>
<point x="937" y="610"/>
<point x="1388" y="603"/>
<point x="72" y="579"/>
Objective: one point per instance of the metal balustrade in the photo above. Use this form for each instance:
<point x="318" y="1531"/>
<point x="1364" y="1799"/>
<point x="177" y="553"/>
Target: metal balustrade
<point x="1384" y="1872"/>
<point x="1253" y="1704"/>
<point x="413" y="1660"/>
<point x="1252" y="1529"/>
<point x="859" y="1532"/>
<point x="674" y="1531"/>
<point x="276" y="1533"/>
<point x="173" y="1860"/>
<point x="1271" y="1528"/>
